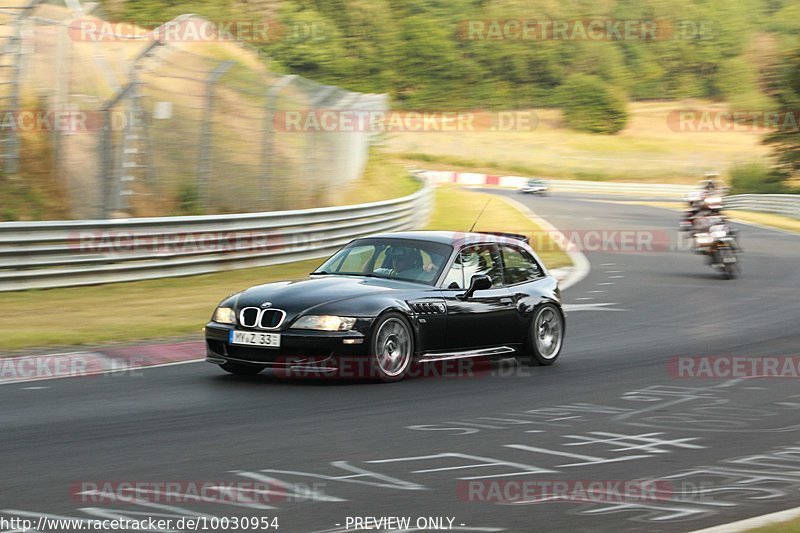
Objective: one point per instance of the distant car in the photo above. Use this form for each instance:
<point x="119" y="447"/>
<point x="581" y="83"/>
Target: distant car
<point x="393" y="300"/>
<point x="534" y="186"/>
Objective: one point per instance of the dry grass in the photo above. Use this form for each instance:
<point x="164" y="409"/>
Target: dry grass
<point x="458" y="208"/>
<point x="792" y="526"/>
<point x="648" y="150"/>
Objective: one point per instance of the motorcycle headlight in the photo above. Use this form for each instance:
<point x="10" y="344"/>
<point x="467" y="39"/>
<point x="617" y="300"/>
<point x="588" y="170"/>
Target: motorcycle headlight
<point x="225" y="315"/>
<point x="325" y="323"/>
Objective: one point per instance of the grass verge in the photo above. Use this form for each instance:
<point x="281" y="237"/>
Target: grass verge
<point x="175" y="307"/>
<point x="793" y="526"/>
<point x="649" y="150"/>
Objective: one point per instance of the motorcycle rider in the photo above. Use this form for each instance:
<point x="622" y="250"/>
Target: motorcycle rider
<point x="704" y="202"/>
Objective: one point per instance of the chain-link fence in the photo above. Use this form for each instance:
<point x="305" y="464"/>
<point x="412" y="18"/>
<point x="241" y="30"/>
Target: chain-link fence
<point x="143" y="126"/>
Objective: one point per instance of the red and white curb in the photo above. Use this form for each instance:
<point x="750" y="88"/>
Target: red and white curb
<point x="94" y="363"/>
<point x="478" y="179"/>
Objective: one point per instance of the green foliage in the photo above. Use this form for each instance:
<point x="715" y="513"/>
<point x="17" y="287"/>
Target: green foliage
<point x="786" y="141"/>
<point x="591" y="105"/>
<point x="755" y="178"/>
<point x="189" y="199"/>
<point x="419" y="52"/>
<point x="737" y="81"/>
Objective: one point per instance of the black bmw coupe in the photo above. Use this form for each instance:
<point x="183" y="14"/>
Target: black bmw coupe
<point x="394" y="300"/>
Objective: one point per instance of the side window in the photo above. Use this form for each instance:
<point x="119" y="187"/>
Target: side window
<point x="519" y="266"/>
<point x="482" y="259"/>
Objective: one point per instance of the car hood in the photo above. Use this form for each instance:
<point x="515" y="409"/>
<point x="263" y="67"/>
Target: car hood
<point x="297" y="297"/>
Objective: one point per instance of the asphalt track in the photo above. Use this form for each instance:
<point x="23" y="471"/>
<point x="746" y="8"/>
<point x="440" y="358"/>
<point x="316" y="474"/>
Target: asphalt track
<point x="611" y="409"/>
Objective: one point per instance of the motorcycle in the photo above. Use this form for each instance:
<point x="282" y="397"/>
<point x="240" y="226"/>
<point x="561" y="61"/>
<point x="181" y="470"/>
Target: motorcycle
<point x="719" y="243"/>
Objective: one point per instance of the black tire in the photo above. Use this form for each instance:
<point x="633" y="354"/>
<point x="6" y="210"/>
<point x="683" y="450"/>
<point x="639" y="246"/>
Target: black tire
<point x="391" y="348"/>
<point x="729" y="270"/>
<point x="547" y="320"/>
<point x="241" y="369"/>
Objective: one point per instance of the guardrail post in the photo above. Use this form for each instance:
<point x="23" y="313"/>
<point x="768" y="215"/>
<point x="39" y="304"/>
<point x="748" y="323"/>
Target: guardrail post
<point x="310" y="150"/>
<point x="14" y="48"/>
<point x="266" y="188"/>
<point x="206" y="133"/>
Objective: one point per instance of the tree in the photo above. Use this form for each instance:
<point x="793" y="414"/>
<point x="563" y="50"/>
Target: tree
<point x="785" y="140"/>
<point x="591" y="105"/>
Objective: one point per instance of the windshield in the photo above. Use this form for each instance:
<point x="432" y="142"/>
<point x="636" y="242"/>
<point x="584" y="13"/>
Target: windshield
<point x="401" y="259"/>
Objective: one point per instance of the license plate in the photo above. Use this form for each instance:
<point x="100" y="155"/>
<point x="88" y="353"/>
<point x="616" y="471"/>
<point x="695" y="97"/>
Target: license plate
<point x="728" y="259"/>
<point x="254" y="338"/>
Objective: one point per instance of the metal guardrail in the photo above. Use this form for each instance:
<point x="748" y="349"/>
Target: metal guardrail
<point x="39" y="255"/>
<point x="779" y="204"/>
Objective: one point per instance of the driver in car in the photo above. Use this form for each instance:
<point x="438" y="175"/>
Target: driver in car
<point x="406" y="263"/>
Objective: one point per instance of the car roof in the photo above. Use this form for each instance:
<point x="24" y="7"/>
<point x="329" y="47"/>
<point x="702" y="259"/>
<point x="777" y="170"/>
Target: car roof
<point x="452" y="238"/>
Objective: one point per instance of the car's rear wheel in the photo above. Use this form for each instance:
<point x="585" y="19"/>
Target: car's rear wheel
<point x="545" y="337"/>
<point x="392" y="348"/>
<point x="241" y="369"/>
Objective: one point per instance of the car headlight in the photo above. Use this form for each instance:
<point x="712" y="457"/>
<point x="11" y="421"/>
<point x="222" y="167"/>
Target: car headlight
<point x="325" y="323"/>
<point x="225" y="315"/>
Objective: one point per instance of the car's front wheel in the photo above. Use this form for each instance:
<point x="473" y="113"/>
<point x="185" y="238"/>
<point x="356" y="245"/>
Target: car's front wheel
<point x="545" y="337"/>
<point x="241" y="369"/>
<point x="391" y="348"/>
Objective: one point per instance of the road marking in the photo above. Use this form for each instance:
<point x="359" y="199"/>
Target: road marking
<point x="608" y="264"/>
<point x="644" y="441"/>
<point x="606" y="283"/>
<point x="588" y="459"/>
<point x="594" y="292"/>
<point x="34" y="388"/>
<point x="614" y="271"/>
<point x="615" y="277"/>
<point x="576" y="299"/>
<point x="590" y="307"/>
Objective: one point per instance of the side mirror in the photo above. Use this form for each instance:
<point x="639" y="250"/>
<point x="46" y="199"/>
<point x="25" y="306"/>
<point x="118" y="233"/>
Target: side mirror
<point x="479" y="282"/>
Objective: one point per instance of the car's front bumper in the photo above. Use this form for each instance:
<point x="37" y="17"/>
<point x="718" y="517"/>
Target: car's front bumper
<point x="299" y="349"/>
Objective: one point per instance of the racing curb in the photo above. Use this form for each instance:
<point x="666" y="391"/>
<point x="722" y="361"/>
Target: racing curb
<point x="755" y="522"/>
<point x="569" y="276"/>
<point x="126" y="359"/>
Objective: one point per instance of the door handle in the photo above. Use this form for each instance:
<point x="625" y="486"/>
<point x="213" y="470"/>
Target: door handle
<point x="506" y="301"/>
